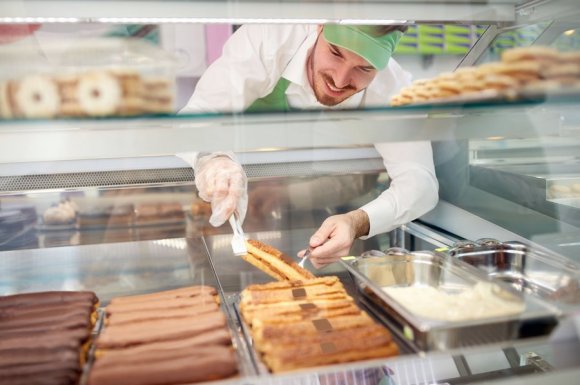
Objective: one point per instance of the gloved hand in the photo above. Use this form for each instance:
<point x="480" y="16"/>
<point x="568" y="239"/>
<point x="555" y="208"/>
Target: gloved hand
<point x="222" y="182"/>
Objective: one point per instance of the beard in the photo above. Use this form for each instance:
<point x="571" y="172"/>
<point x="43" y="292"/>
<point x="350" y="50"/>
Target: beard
<point x="321" y="82"/>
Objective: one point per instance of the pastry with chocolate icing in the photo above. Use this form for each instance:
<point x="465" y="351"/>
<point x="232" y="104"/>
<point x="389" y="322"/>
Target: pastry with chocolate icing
<point x="176" y="366"/>
<point x="45" y="336"/>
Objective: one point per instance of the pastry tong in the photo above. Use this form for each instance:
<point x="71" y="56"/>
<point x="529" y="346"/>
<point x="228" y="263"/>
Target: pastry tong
<point x="305" y="256"/>
<point x="239" y="239"/>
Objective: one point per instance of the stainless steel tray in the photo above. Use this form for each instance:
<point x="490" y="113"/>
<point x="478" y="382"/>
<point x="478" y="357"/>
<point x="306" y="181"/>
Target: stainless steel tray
<point x="399" y="268"/>
<point x="550" y="277"/>
<point x="243" y="329"/>
<point x="371" y="374"/>
<point x="246" y="367"/>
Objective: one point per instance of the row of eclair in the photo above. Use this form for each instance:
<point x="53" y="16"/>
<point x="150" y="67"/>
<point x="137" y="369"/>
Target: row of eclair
<point x="45" y="336"/>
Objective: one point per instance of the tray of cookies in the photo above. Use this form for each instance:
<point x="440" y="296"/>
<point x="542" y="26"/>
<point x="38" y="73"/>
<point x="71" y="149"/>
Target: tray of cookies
<point x="438" y="303"/>
<point x="524" y="74"/>
<point x="95" y="77"/>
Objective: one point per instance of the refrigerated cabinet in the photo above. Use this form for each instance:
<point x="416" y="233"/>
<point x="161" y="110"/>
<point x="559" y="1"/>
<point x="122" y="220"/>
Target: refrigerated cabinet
<point x="493" y="184"/>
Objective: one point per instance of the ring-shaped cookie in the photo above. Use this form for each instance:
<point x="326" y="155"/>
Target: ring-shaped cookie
<point x="99" y="94"/>
<point x="37" y="96"/>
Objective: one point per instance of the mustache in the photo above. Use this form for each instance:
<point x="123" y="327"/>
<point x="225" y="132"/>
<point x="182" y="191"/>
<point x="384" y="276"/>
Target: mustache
<point x="328" y="79"/>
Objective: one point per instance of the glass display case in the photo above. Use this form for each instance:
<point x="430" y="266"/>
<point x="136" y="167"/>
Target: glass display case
<point x="101" y="202"/>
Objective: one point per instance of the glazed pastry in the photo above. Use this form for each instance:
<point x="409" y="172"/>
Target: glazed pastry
<point x="184" y="292"/>
<point x="169" y="337"/>
<point x="177" y="366"/>
<point x="166" y="304"/>
<point x="48" y="297"/>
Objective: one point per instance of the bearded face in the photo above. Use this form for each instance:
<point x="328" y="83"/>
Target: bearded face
<point x="336" y="73"/>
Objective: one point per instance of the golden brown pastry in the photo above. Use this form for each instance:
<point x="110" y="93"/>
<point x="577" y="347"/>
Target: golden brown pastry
<point x="298" y="324"/>
<point x="275" y="292"/>
<point x="273" y="262"/>
<point x="367" y="342"/>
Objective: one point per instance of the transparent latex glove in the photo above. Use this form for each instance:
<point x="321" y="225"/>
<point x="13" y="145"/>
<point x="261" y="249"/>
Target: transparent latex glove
<point x="221" y="181"/>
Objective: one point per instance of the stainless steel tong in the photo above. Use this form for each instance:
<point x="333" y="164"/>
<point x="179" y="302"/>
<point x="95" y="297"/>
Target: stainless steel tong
<point x="238" y="239"/>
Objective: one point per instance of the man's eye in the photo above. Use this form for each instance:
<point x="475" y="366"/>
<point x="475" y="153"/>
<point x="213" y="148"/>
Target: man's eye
<point x="335" y="52"/>
<point x="365" y="69"/>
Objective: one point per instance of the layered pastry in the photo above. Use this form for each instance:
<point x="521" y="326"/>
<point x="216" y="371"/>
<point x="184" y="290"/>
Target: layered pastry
<point x="169" y="337"/>
<point x="109" y="216"/>
<point x="158" y="95"/>
<point x="159" y="212"/>
<point x="45" y="336"/>
<point x="298" y="324"/>
<point x="273" y="262"/>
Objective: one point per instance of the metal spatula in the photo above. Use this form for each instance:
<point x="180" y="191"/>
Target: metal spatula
<point x="238" y="239"/>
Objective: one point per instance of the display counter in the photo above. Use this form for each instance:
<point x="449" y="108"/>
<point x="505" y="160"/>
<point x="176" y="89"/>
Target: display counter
<point x="98" y="200"/>
<point x="128" y="268"/>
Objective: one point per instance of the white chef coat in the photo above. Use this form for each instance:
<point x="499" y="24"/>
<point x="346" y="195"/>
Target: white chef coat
<point x="257" y="56"/>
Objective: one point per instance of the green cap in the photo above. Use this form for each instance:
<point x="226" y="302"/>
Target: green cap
<point x="365" y="41"/>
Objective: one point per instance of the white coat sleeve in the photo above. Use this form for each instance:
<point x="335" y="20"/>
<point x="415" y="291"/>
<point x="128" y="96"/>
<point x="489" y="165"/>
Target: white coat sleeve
<point x="413" y="190"/>
<point x="251" y="64"/>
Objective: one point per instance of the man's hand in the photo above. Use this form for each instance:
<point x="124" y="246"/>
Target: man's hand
<point x="222" y="182"/>
<point x="335" y="237"/>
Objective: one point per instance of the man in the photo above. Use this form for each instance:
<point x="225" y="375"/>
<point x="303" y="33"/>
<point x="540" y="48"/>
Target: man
<point x="285" y="67"/>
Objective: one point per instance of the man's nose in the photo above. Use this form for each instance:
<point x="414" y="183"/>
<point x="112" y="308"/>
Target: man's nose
<point x="342" y="77"/>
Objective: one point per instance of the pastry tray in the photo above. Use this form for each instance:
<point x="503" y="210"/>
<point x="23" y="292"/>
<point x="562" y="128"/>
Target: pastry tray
<point x="399" y="268"/>
<point x="91" y="353"/>
<point x="245" y="365"/>
<point x="493" y="97"/>
<point x="550" y="277"/>
<point x="261" y="368"/>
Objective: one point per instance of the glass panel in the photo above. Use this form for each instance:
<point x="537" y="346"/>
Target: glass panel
<point x="522" y="36"/>
<point x="527" y="185"/>
<point x="124" y="229"/>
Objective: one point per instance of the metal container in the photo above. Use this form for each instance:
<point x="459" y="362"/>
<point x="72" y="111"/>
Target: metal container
<point x="400" y="268"/>
<point x="549" y="277"/>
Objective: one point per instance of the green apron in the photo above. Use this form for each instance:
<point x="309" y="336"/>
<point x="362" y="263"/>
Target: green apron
<point x="275" y="101"/>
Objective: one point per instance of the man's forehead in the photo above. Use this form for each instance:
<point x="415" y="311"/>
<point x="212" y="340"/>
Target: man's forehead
<point x="352" y="56"/>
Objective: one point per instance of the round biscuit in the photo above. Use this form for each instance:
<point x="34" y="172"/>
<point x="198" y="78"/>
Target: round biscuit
<point x="569" y="57"/>
<point x="536" y="53"/>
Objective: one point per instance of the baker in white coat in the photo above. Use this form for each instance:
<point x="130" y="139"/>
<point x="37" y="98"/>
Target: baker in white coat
<point x="286" y="67"/>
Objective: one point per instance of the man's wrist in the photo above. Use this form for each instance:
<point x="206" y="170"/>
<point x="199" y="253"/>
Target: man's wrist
<point x="360" y="222"/>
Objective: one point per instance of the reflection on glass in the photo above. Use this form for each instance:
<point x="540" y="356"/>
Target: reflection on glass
<point x="517" y="37"/>
<point x="367" y="376"/>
